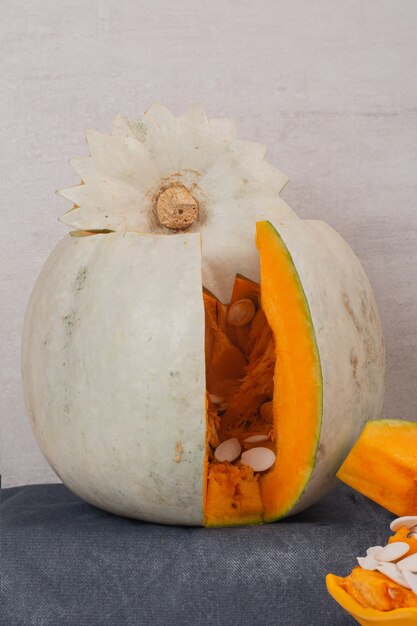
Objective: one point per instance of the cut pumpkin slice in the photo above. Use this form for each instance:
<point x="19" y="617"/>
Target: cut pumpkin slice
<point x="298" y="398"/>
<point x="382" y="465"/>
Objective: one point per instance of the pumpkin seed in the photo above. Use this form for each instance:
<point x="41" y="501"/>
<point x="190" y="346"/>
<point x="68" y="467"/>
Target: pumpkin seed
<point x="409" y="563"/>
<point x="215" y="399"/>
<point x="373" y="549"/>
<point x="411" y="580"/>
<point x="255" y="439"/>
<point x="228" y="450"/>
<point x="391" y="571"/>
<point x="241" y="312"/>
<point x="408" y="521"/>
<point x="367" y="562"/>
<point x="259" y="459"/>
<point x="392" y="551"/>
<point x="379" y="558"/>
<point x="267" y="411"/>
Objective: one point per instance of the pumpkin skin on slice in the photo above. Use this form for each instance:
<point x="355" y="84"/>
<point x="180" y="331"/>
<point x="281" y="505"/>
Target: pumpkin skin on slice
<point x="382" y="465"/>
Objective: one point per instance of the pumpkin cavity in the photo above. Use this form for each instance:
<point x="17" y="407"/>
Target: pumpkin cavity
<point x="240" y="360"/>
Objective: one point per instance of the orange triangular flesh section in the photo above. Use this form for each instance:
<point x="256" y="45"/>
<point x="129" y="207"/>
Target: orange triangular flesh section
<point x="382" y="465"/>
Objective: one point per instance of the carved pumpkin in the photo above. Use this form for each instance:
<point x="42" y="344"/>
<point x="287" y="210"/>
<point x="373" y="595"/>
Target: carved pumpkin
<point x="135" y="369"/>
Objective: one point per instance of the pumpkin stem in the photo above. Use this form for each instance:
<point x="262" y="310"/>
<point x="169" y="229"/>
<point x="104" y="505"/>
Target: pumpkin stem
<point x="176" y="208"/>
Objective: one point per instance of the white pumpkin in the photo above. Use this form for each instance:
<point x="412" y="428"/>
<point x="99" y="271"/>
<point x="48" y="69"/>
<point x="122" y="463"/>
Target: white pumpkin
<point x="113" y="359"/>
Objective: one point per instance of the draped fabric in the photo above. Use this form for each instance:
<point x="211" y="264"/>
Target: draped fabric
<point x="64" y="562"/>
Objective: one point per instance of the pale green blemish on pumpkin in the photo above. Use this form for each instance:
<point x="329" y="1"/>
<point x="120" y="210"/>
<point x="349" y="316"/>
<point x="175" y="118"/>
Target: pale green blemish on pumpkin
<point x="70" y="321"/>
<point x="80" y="279"/>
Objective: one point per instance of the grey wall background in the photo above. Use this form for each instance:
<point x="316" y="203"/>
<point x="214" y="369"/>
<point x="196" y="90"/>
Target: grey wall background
<point x="330" y="87"/>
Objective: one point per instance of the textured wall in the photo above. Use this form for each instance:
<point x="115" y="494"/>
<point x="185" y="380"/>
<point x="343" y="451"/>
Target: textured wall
<point x="329" y="86"/>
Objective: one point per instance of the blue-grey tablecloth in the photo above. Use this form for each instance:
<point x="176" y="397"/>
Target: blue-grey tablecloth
<point x="65" y="562"/>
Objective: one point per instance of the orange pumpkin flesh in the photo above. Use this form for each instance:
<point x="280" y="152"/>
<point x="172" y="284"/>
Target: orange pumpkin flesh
<point x="374" y="590"/>
<point x="382" y="465"/>
<point x="272" y="358"/>
<point x="235" y="372"/>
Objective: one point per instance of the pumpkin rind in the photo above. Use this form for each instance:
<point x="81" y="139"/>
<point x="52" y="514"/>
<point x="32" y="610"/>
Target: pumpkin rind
<point x="113" y="372"/>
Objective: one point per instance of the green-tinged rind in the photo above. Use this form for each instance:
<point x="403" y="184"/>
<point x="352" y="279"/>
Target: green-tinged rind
<point x="306" y="309"/>
<point x="342" y="313"/>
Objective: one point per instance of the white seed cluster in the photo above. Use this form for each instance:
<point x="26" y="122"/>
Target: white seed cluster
<point x="259" y="459"/>
<point x="391" y="560"/>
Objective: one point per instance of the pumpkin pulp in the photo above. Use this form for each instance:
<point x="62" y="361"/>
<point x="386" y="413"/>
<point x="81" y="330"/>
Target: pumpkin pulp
<point x="265" y="378"/>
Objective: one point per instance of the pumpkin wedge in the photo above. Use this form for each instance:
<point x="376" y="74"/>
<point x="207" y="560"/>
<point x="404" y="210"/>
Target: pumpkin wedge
<point x="368" y="616"/>
<point x="382" y="465"/>
<point x="121" y="369"/>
